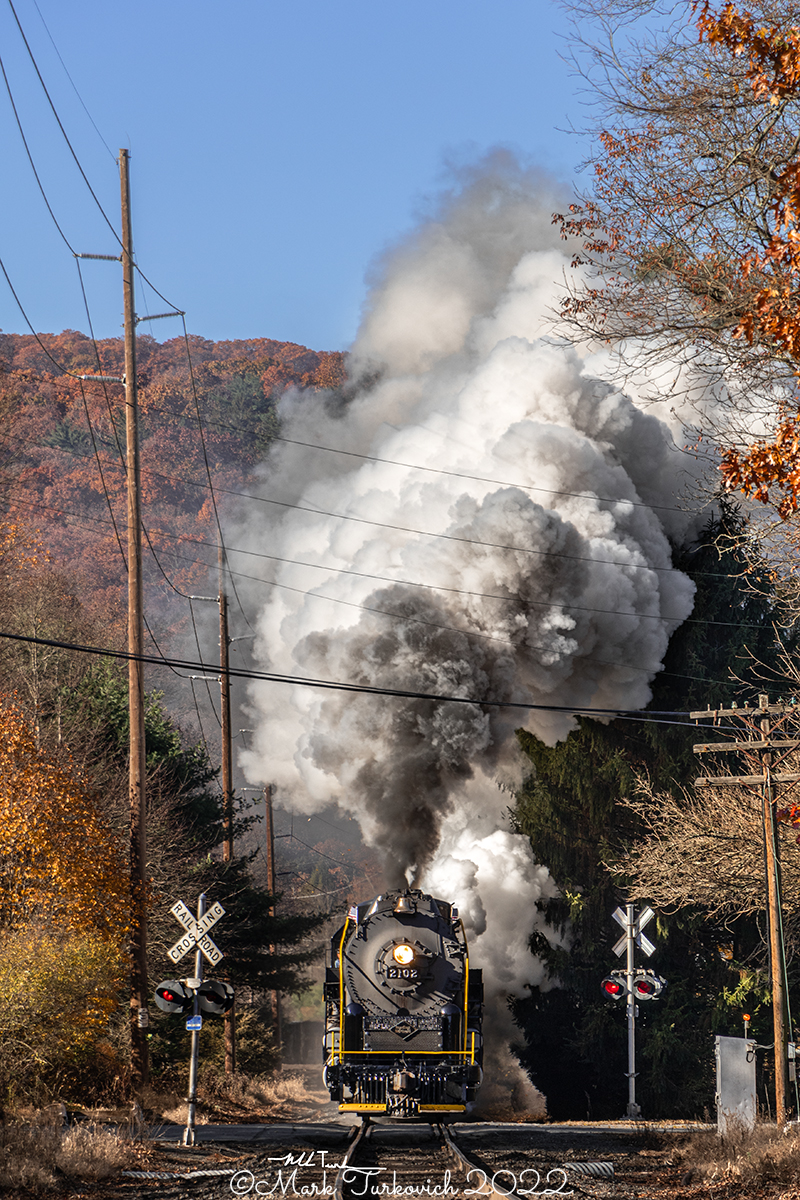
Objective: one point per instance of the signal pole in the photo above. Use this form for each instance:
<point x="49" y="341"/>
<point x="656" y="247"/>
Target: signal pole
<point x="139" y="1015"/>
<point x="759" y="750"/>
<point x="634" y="1110"/>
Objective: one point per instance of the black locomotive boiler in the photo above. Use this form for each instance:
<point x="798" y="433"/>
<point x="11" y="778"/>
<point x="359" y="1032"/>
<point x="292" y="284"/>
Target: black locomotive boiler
<point x="403" y="1010"/>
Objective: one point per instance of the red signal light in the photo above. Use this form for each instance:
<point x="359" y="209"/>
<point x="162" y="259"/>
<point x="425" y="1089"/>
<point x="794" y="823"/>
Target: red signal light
<point x="173" y="997"/>
<point x="611" y="986"/>
<point x="215" y="996"/>
<point x="647" y="985"/>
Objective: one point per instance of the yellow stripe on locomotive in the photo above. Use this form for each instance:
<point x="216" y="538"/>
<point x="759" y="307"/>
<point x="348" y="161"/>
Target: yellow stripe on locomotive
<point x="403" y="1010"/>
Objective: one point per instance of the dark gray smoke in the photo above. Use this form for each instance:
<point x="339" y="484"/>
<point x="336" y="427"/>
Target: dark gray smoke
<point x="530" y="562"/>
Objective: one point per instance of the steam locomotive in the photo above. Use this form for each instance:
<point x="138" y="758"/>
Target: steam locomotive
<point x="403" y="1010"/>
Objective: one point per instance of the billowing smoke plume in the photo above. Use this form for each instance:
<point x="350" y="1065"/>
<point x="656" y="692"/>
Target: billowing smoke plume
<point x="504" y="538"/>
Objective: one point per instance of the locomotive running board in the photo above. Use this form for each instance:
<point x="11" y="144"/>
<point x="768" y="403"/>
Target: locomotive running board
<point x="442" y="1108"/>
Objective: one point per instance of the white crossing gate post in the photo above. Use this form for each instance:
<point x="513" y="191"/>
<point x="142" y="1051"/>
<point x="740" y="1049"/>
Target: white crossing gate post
<point x="632" y="937"/>
<point x="195" y="938"/>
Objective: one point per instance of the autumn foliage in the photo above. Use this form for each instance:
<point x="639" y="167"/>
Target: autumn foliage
<point x="58" y="861"/>
<point x="206" y="408"/>
<point x="772" y="56"/>
<point x="689" y="241"/>
<point x="63" y="914"/>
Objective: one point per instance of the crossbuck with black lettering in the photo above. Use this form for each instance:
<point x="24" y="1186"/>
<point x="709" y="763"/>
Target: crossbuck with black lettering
<point x="196" y="935"/>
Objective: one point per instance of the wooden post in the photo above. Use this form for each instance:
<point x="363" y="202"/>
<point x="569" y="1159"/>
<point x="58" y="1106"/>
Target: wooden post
<point x="764" y="752"/>
<point x="271" y="884"/>
<point x="227" y="777"/>
<point x="775" y="931"/>
<point x="225" y="718"/>
<point x="139" y="1016"/>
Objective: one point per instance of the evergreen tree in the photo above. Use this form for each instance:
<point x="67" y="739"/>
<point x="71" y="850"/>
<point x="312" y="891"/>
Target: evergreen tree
<point x="184" y="831"/>
<point x="569" y="807"/>
<point x="263" y="951"/>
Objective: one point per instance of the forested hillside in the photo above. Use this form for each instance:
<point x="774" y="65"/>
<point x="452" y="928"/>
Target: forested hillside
<point x="208" y="411"/>
<point x="205" y="407"/>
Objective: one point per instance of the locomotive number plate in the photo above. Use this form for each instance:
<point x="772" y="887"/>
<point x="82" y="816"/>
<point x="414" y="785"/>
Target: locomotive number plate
<point x="402" y="973"/>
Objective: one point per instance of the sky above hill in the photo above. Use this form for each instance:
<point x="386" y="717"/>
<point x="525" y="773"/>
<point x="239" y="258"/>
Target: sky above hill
<point x="277" y="148"/>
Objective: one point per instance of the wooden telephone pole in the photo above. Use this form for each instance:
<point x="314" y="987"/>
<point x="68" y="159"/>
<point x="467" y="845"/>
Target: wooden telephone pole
<point x="227" y="775"/>
<point x="271" y="885"/>
<point x="139" y="1016"/>
<point x="763" y="751"/>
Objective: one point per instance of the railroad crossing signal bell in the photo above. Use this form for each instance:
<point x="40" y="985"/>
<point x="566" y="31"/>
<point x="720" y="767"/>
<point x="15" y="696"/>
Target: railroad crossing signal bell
<point x="645" y="985"/>
<point x="213" y="995"/>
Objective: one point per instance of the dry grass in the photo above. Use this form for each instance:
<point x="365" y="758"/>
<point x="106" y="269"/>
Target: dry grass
<point x="179" y="1115"/>
<point x="266" y="1093"/>
<point x="240" y="1096"/>
<point x="764" y="1156"/>
<point x="35" y="1156"/>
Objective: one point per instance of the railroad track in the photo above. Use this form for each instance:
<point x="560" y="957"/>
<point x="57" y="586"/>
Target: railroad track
<point x="381" y="1162"/>
<point x="386" y="1162"/>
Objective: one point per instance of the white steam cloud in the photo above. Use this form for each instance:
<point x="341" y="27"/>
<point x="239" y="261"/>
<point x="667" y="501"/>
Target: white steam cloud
<point x="510" y="545"/>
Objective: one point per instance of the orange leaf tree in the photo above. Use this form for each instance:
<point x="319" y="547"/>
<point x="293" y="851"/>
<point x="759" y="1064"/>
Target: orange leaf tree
<point x="63" y="915"/>
<point x="770" y="467"/>
<point x="689" y="241"/>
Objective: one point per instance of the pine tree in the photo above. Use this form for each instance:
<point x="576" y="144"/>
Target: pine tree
<point x="569" y="807"/>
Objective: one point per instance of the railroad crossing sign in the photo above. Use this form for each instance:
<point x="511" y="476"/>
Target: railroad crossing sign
<point x="196" y="936"/>
<point x="620" y="916"/>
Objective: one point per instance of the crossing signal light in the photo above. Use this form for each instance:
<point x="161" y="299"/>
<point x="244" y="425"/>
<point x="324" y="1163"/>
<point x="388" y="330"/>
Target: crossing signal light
<point x="614" y="985"/>
<point x="215" y="996"/>
<point x="647" y="985"/>
<point x="173" y="997"/>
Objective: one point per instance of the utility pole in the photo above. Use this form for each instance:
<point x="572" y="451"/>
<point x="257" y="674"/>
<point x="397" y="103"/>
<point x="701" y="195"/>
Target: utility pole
<point x="225" y="716"/>
<point x="763" y="750"/>
<point x="139" y="1016"/>
<point x="271" y="884"/>
<point x="227" y="776"/>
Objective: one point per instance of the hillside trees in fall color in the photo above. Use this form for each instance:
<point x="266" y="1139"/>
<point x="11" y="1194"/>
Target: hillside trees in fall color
<point x="62" y="446"/>
<point x="61" y="456"/>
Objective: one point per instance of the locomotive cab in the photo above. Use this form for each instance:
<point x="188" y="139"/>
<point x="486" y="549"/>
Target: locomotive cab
<point x="403" y="1010"/>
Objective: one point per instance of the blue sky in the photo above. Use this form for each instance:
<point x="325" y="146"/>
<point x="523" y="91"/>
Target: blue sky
<point x="277" y="148"/>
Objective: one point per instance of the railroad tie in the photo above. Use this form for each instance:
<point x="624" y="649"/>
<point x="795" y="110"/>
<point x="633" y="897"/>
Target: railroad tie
<point x="598" y="1170"/>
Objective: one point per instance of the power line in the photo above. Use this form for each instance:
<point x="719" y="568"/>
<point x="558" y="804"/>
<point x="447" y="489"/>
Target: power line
<point x="69" y="77"/>
<point x="453" y="628"/>
<point x="357" y="688"/>
<point x="88" y="315"/>
<point x="72" y="151"/>
<point x="477" y="478"/>
<point x="419" y="621"/>
<point x="60" y="125"/>
<point x="450" y="537"/>
<point x="30" y="157"/>
<point x="527" y="487"/>
<point x="173" y="479"/>
<point x="208" y="468"/>
<point x="567" y="605"/>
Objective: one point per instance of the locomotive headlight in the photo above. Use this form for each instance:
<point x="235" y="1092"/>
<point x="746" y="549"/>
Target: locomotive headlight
<point x="403" y="955"/>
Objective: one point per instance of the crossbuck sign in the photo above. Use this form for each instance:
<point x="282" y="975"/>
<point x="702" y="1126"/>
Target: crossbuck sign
<point x="621" y="917"/>
<point x="196" y="935"/>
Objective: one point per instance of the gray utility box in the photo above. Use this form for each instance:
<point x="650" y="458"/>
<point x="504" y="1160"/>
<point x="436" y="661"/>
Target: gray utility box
<point x="736" y="1083"/>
